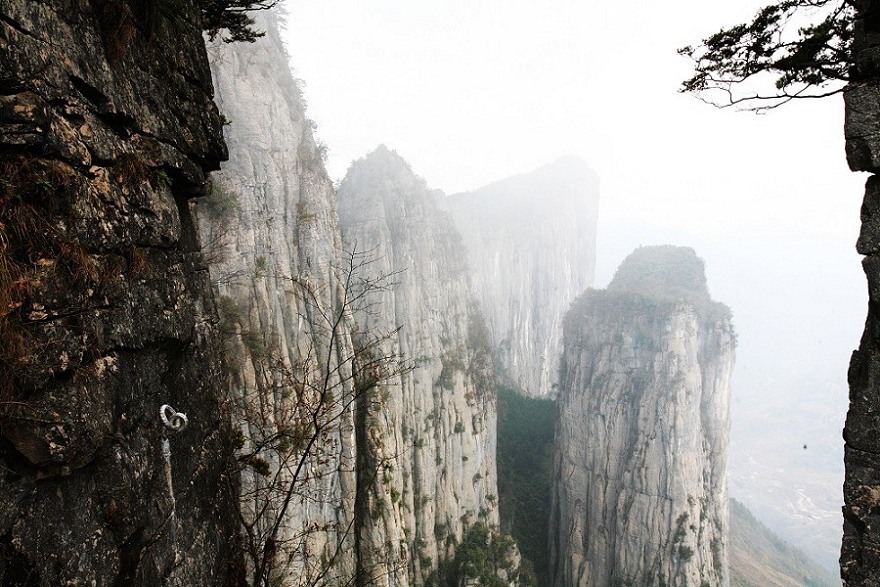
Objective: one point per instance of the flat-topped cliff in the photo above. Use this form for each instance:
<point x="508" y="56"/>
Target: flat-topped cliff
<point x="641" y="443"/>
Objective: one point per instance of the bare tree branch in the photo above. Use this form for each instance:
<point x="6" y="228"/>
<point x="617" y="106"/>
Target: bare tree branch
<point x="294" y="418"/>
<point x="792" y="49"/>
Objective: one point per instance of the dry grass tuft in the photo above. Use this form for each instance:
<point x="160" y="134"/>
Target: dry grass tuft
<point x="77" y="265"/>
<point x="34" y="193"/>
<point x="118" y="25"/>
<point x="136" y="260"/>
<point x="130" y="169"/>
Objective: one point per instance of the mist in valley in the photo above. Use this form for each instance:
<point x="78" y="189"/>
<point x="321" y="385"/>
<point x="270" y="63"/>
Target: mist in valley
<point x="454" y="293"/>
<point x="469" y="93"/>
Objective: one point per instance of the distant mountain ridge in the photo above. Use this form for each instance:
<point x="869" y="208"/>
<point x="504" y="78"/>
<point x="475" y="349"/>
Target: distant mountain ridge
<point x="531" y="247"/>
<point x="759" y="558"/>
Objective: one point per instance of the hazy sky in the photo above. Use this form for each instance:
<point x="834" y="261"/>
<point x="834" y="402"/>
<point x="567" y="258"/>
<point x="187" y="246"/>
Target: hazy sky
<point x="473" y="91"/>
<point x="470" y="92"/>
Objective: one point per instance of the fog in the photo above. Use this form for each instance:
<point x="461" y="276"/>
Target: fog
<point x="471" y="92"/>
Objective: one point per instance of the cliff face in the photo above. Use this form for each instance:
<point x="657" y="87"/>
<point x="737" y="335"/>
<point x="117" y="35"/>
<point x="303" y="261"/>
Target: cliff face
<point x="271" y="236"/>
<point x="641" y="444"/>
<point x="428" y="462"/>
<point x="860" y="552"/>
<point x="405" y="463"/>
<point x="531" y="247"/>
<point x="106" y="312"/>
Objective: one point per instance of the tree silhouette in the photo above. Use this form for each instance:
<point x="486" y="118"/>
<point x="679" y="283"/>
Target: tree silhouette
<point x="793" y="49"/>
<point x="232" y="16"/>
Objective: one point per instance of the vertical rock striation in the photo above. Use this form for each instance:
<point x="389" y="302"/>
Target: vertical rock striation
<point x="429" y="455"/>
<point x="860" y="551"/>
<point x="531" y="246"/>
<point x="641" y="444"/>
<point x="408" y="463"/>
<point x="105" y="305"/>
<point x="271" y="236"/>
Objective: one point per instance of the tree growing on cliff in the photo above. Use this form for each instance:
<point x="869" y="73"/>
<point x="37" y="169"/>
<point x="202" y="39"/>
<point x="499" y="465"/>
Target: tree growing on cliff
<point x="160" y="20"/>
<point x="296" y="422"/>
<point x="484" y="557"/>
<point x="232" y="16"/>
<point x="792" y="49"/>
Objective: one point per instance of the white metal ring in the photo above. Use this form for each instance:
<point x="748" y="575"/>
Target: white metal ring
<point x="171" y="419"/>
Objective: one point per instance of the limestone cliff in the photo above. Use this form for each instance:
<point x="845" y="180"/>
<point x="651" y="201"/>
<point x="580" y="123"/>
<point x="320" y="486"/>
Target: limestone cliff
<point x="860" y="552"/>
<point x="531" y="246"/>
<point x="405" y="463"/>
<point x="106" y="312"/>
<point x="271" y="236"/>
<point x="430" y="442"/>
<point x="641" y="444"/>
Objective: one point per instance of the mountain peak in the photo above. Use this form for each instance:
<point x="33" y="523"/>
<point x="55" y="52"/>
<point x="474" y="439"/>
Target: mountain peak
<point x="662" y="270"/>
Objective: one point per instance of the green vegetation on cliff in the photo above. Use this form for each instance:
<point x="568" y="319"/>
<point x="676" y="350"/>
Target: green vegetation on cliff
<point x="664" y="269"/>
<point x="525" y="459"/>
<point x="654" y="276"/>
<point x="484" y="558"/>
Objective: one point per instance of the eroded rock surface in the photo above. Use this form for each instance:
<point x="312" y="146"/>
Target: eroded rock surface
<point x="408" y="465"/>
<point x="272" y="240"/>
<point x="641" y="444"/>
<point x="860" y="552"/>
<point x="431" y="438"/>
<point x="105" y="305"/>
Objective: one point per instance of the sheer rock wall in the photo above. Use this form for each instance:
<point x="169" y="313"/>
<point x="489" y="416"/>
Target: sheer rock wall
<point x="430" y="450"/>
<point x="105" y="304"/>
<point x="860" y="552"/>
<point x="531" y="248"/>
<point x="272" y="240"/>
<point x="640" y="496"/>
<point x="412" y="463"/>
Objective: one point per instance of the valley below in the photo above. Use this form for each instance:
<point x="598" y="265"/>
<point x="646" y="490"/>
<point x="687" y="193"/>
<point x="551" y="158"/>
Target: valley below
<point x="223" y="367"/>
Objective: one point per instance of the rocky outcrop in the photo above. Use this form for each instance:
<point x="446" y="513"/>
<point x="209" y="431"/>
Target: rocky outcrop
<point x="860" y="552"/>
<point x="271" y="236"/>
<point x="641" y="444"/>
<point x="405" y="464"/>
<point x="106" y="312"/>
<point x="428" y="458"/>
<point x="531" y="246"/>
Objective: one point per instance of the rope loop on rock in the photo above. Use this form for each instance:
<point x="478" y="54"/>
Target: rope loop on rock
<point x="171" y="419"/>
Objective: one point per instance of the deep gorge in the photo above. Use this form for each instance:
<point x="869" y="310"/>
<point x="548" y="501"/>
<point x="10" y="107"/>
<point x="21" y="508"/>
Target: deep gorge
<point x="354" y="360"/>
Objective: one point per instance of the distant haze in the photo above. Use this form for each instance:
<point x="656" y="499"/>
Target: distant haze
<point x="471" y="92"/>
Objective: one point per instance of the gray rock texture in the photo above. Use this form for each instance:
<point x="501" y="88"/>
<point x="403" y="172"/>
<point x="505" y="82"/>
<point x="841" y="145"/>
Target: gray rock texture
<point x="431" y="438"/>
<point x="271" y="236"/>
<point x="106" y="311"/>
<point x="641" y="443"/>
<point x="860" y="551"/>
<point x="531" y="247"/>
<point x="408" y="462"/>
